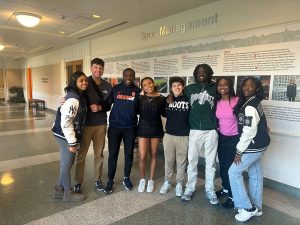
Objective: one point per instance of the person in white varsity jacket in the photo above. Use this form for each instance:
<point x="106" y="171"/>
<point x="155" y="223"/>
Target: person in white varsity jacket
<point x="254" y="140"/>
<point x="67" y="129"/>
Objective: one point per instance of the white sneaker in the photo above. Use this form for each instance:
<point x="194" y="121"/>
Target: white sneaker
<point x="142" y="185"/>
<point x="211" y="195"/>
<point x="165" y="188"/>
<point x="259" y="213"/>
<point x="245" y="215"/>
<point x="150" y="186"/>
<point x="178" y="190"/>
<point x="187" y="195"/>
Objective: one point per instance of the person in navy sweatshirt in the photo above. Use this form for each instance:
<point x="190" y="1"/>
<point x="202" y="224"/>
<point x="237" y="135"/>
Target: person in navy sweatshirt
<point x="122" y="126"/>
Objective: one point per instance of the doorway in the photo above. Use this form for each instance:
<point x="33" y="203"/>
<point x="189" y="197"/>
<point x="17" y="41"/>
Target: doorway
<point x="72" y="67"/>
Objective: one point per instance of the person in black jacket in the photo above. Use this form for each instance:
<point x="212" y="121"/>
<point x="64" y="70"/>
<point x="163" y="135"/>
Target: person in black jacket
<point x="291" y="90"/>
<point x="98" y="103"/>
<point x="122" y="126"/>
<point x="254" y="140"/>
<point x="67" y="129"/>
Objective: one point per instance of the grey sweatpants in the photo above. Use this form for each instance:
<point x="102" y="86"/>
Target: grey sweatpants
<point x="66" y="163"/>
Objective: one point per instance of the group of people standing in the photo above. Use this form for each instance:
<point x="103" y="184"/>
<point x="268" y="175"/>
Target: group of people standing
<point x="204" y="115"/>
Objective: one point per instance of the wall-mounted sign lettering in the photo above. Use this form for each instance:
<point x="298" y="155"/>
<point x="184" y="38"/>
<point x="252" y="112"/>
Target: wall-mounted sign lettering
<point x="180" y="28"/>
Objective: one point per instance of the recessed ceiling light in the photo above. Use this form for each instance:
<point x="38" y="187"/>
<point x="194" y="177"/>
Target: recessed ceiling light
<point x="1" y="47"/>
<point x="61" y="32"/>
<point x="28" y="19"/>
<point x="96" y="16"/>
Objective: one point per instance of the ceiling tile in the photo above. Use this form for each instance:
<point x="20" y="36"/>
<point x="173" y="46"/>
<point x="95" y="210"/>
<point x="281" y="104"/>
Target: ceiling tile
<point x="86" y="20"/>
<point x="9" y="5"/>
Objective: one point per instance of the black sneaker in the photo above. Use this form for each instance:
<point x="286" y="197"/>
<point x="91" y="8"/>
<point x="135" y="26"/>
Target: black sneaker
<point x="127" y="183"/>
<point x="99" y="186"/>
<point x="222" y="192"/>
<point x="77" y="188"/>
<point x="228" y="204"/>
<point x="109" y="187"/>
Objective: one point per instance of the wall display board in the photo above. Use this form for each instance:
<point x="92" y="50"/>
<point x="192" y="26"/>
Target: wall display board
<point x="273" y="57"/>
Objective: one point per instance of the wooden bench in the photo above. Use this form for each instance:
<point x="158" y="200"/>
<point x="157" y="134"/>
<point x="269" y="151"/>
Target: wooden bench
<point x="37" y="103"/>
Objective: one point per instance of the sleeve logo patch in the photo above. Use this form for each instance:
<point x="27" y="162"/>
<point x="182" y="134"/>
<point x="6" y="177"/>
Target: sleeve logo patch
<point x="248" y="121"/>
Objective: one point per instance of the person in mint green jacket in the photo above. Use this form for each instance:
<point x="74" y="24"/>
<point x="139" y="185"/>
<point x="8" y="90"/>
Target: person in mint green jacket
<point x="203" y="133"/>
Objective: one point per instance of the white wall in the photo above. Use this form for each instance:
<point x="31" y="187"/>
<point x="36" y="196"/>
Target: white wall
<point x="70" y="53"/>
<point x="234" y="16"/>
<point x="281" y="160"/>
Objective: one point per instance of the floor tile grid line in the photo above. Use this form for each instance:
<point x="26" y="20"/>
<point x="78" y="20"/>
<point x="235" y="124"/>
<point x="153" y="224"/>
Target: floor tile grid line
<point x="6" y="109"/>
<point x="26" y="119"/>
<point x="287" y="205"/>
<point x="281" y="202"/>
<point x="12" y="106"/>
<point x="13" y="164"/>
<point x="34" y="130"/>
<point x="116" y="208"/>
<point x="10" y="111"/>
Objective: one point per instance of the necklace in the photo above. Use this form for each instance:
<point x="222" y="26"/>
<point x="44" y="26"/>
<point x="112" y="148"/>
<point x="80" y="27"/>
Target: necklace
<point x="149" y="98"/>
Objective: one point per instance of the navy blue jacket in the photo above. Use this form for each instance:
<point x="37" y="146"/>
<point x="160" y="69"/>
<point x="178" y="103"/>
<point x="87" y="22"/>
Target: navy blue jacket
<point x="124" y="110"/>
<point x="97" y="94"/>
<point x="252" y="126"/>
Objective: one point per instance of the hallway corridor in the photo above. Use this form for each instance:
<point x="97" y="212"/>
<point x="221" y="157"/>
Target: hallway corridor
<point x="29" y="167"/>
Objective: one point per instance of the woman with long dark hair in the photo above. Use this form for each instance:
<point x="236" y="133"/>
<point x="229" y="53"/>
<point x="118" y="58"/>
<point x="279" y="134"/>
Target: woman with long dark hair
<point x="254" y="140"/>
<point x="67" y="129"/>
<point x="228" y="134"/>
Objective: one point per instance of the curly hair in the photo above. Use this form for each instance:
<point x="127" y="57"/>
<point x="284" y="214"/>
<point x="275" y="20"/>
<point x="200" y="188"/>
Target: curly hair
<point x="207" y="69"/>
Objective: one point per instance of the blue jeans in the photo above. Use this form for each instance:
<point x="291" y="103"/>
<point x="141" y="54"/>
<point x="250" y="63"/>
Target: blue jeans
<point x="252" y="162"/>
<point x="66" y="163"/>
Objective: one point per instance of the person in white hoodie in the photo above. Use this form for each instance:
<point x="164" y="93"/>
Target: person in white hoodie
<point x="67" y="130"/>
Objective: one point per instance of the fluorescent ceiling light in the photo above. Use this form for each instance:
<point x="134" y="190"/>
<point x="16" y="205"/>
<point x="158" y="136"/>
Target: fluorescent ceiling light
<point x="28" y="19"/>
<point x="96" y="16"/>
<point x="1" y="47"/>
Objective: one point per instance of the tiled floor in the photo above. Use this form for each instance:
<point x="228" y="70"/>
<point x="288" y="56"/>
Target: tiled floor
<point x="29" y="165"/>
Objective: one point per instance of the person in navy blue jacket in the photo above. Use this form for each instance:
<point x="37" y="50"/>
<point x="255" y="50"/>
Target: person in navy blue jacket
<point x="122" y="126"/>
<point x="254" y="141"/>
